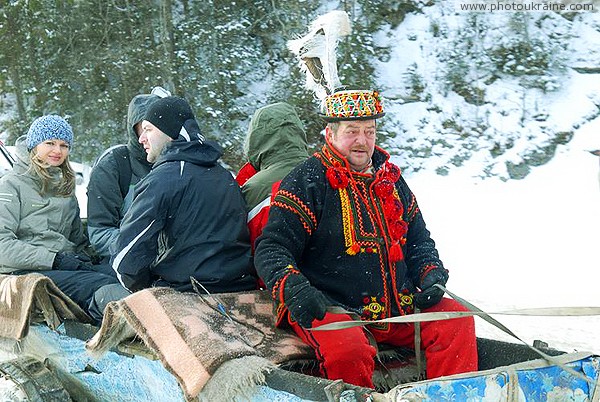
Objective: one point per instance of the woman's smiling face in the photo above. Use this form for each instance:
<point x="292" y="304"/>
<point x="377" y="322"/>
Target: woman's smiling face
<point x="52" y="152"/>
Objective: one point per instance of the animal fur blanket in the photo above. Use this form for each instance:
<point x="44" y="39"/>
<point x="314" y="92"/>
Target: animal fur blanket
<point x="33" y="298"/>
<point x="215" y="345"/>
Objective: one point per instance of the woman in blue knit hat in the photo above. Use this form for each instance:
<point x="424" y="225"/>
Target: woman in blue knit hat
<point x="40" y="228"/>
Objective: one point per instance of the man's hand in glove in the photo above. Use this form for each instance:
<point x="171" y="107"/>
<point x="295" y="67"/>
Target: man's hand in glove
<point x="304" y="302"/>
<point x="71" y="262"/>
<point x="431" y="295"/>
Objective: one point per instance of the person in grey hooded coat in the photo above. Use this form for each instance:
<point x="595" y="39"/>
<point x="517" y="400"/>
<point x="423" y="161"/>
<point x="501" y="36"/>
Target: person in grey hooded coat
<point x="109" y="198"/>
<point x="40" y="228"/>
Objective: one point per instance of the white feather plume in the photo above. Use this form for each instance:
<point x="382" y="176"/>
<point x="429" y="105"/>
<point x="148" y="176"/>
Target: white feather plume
<point x="316" y="52"/>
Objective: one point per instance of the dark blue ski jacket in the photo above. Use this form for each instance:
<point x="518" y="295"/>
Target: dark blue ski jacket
<point x="188" y="219"/>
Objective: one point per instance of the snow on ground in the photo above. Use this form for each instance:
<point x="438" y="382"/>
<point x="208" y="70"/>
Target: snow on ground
<point x="524" y="243"/>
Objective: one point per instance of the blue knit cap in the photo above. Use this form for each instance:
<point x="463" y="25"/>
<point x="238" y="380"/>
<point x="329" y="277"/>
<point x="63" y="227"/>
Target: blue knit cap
<point x="49" y="127"/>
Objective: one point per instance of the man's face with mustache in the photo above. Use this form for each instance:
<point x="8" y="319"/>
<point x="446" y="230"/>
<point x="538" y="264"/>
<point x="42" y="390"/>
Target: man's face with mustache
<point x="354" y="140"/>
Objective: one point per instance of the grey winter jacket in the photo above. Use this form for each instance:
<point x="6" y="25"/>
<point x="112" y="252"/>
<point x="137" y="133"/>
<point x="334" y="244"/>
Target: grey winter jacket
<point x="106" y="204"/>
<point x="33" y="228"/>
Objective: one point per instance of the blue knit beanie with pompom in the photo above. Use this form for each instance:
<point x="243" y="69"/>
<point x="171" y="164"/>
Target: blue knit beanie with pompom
<point x="49" y="127"/>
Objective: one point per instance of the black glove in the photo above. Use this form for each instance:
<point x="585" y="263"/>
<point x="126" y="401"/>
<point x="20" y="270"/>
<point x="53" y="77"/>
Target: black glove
<point x="431" y="295"/>
<point x="71" y="262"/>
<point x="304" y="302"/>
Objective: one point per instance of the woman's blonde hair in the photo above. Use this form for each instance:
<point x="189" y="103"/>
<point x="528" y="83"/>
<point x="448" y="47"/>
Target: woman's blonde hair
<point x="66" y="185"/>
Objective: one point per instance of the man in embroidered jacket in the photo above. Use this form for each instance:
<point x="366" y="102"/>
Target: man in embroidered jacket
<point x="345" y="230"/>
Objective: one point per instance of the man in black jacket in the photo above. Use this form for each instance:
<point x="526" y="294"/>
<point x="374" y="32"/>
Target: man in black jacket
<point x="345" y="231"/>
<point x="188" y="217"/>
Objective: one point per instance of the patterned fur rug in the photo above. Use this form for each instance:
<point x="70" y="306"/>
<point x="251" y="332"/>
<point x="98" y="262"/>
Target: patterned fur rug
<point x="214" y="345"/>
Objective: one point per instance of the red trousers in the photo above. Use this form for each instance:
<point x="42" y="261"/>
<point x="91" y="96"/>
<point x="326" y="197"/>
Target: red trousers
<point x="450" y="345"/>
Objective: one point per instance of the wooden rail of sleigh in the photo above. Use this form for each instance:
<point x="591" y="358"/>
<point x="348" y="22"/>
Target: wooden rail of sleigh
<point x="159" y="344"/>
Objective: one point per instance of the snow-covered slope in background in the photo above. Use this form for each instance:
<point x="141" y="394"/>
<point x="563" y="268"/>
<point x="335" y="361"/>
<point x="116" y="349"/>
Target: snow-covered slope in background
<point x="515" y="123"/>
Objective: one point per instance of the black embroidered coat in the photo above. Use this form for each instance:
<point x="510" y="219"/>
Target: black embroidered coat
<point x="358" y="238"/>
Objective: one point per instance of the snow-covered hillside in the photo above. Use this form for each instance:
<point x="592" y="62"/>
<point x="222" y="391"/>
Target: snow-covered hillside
<point x="510" y="114"/>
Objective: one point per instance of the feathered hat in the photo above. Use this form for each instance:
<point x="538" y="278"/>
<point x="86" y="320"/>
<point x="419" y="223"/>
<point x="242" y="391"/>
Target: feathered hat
<point x="316" y="52"/>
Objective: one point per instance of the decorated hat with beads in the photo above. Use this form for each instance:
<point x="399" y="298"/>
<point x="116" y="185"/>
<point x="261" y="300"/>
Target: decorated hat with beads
<point x="316" y="53"/>
<point x="353" y="105"/>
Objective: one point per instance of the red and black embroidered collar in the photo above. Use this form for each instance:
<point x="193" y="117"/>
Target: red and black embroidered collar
<point x="339" y="175"/>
